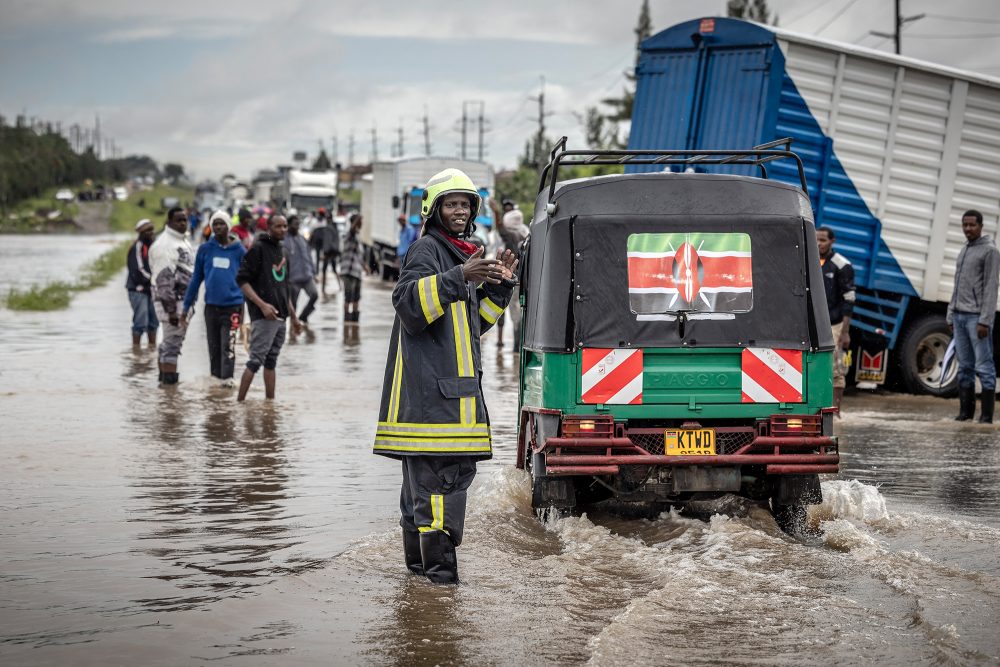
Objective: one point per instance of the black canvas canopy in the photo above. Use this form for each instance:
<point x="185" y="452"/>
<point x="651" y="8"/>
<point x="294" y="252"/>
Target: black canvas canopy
<point x="577" y="274"/>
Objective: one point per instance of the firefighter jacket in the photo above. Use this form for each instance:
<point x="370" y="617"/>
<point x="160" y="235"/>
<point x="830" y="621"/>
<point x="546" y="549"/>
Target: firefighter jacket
<point x="432" y="397"/>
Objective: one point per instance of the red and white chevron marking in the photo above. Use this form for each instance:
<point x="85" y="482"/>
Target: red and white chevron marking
<point x="612" y="376"/>
<point x="772" y="376"/>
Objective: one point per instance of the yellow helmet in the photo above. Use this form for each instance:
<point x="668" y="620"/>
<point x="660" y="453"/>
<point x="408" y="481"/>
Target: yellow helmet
<point x="446" y="182"/>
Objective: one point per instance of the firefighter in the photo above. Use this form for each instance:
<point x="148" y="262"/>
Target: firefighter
<point x="432" y="417"/>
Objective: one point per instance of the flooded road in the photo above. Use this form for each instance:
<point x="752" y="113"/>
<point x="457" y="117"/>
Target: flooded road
<point x="173" y="526"/>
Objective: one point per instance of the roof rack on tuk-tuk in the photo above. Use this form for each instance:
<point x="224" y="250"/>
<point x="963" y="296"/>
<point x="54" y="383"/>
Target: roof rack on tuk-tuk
<point x="758" y="156"/>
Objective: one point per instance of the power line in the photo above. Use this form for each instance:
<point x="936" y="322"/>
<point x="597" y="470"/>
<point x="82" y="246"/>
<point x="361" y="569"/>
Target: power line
<point x="984" y="35"/>
<point x="962" y="19"/>
<point x="809" y="13"/>
<point x="836" y="16"/>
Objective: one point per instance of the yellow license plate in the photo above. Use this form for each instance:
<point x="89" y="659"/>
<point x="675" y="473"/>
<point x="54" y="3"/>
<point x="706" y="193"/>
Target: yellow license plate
<point x="689" y="442"/>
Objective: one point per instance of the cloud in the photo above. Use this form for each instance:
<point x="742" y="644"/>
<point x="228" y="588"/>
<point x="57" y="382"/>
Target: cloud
<point x="238" y="85"/>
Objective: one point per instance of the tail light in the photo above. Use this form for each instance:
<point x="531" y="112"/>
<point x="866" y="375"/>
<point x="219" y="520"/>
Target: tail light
<point x="584" y="426"/>
<point x="791" y="425"/>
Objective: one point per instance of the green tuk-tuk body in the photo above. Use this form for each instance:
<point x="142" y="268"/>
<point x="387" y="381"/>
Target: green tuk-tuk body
<point x="675" y="339"/>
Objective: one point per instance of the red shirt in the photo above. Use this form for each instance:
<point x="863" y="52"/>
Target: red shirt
<point x="244" y="234"/>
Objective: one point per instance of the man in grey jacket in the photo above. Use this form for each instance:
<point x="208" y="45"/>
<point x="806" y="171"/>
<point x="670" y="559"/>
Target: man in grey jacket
<point x="301" y="271"/>
<point x="971" y="313"/>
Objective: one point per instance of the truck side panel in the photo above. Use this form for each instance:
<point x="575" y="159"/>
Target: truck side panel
<point x="894" y="150"/>
<point x="919" y="147"/>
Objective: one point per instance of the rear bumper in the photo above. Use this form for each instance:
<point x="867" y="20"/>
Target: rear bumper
<point x="802" y="455"/>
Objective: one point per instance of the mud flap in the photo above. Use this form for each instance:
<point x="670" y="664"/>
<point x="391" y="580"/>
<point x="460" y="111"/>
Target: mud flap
<point x="546" y="492"/>
<point x="797" y="490"/>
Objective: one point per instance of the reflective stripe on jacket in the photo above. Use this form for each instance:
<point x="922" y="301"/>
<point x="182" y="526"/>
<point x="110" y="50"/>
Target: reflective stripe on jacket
<point x="432" y="399"/>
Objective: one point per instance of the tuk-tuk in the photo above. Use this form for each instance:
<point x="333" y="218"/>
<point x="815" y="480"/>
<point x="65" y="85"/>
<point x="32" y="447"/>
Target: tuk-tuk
<point x="676" y="344"/>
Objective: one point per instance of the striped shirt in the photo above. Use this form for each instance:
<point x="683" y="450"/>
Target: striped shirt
<point x="352" y="259"/>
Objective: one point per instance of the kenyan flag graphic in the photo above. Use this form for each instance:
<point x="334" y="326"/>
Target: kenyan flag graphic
<point x="692" y="272"/>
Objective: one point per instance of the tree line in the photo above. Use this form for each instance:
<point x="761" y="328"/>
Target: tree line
<point x="34" y="158"/>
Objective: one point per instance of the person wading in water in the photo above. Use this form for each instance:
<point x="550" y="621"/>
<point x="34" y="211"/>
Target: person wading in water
<point x="432" y="417"/>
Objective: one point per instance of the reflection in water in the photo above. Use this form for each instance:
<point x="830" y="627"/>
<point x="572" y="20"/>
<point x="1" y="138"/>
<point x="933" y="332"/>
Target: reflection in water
<point x="213" y="489"/>
<point x="426" y="626"/>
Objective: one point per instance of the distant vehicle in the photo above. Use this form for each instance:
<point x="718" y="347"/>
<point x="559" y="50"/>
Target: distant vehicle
<point x="121" y="194"/>
<point x="395" y="189"/>
<point x="306" y="191"/>
<point x="65" y="195"/>
<point x="209" y="200"/>
<point x="238" y="194"/>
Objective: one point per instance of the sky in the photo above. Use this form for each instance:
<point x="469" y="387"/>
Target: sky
<point x="239" y="85"/>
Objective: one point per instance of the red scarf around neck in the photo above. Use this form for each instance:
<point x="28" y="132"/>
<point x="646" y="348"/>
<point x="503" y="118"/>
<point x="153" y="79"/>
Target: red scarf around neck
<point x="466" y="247"/>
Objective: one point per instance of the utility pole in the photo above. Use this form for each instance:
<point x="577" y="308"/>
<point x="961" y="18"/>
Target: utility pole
<point x="334" y="150"/>
<point x="350" y="149"/>
<point x="400" y="143"/>
<point x="374" y="157"/>
<point x="900" y="22"/>
<point x="482" y="127"/>
<point x="465" y="125"/>
<point x="97" y="135"/>
<point x="427" y="133"/>
<point x="539" y="146"/>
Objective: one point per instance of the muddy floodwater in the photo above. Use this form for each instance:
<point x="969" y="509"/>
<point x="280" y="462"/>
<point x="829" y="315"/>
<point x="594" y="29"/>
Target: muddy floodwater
<point x="152" y="526"/>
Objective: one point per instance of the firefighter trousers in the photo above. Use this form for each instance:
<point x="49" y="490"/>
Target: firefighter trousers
<point x="434" y="493"/>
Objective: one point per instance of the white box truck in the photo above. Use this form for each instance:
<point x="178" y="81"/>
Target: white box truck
<point x="306" y="191"/>
<point x="895" y="150"/>
<point x="395" y="189"/>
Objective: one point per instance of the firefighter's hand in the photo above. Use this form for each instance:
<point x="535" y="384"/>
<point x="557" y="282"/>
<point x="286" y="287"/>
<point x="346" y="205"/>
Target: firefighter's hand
<point x="508" y="262"/>
<point x="982" y="331"/>
<point x="478" y="270"/>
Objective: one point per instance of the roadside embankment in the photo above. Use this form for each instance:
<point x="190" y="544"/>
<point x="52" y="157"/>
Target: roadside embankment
<point x="46" y="215"/>
<point x="118" y="216"/>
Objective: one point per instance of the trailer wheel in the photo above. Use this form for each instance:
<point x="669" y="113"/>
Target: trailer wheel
<point x="921" y="358"/>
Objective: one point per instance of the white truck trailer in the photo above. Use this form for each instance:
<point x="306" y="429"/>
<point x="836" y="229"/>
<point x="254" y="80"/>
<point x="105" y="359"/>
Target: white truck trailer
<point x="395" y="189"/>
<point x="306" y="191"/>
<point x="895" y="150"/>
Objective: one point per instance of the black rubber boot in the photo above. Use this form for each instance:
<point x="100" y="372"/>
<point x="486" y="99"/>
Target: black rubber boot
<point x="411" y="551"/>
<point x="988" y="400"/>
<point x="439" y="558"/>
<point x="171" y="378"/>
<point x="966" y="403"/>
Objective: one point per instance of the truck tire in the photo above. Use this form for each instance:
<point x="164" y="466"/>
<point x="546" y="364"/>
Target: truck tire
<point x="921" y="357"/>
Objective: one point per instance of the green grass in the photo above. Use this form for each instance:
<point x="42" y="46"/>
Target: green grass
<point x="53" y="296"/>
<point x="124" y="214"/>
<point x="58" y="295"/>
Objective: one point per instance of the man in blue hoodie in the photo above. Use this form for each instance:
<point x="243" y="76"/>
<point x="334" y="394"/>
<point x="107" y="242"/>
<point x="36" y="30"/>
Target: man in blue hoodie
<point x="216" y="265"/>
